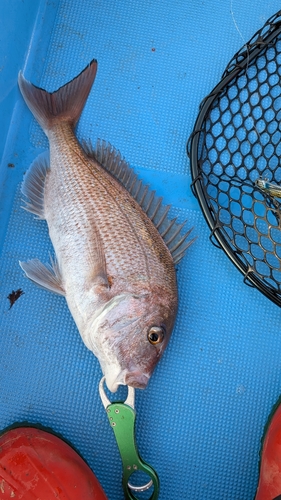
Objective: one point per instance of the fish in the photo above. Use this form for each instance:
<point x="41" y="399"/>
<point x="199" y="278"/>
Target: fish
<point x="115" y="248"/>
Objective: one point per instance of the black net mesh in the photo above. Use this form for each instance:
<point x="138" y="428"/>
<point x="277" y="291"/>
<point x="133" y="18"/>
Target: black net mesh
<point x="237" y="140"/>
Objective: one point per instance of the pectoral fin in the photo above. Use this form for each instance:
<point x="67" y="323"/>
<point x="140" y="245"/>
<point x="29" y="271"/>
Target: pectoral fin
<point x="47" y="277"/>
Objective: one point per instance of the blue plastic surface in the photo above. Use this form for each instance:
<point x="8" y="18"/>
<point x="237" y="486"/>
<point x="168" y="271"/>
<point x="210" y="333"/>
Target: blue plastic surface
<point x="200" y="420"/>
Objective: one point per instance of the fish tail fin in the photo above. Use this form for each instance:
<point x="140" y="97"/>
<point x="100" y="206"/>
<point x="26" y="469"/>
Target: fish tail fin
<point x="63" y="105"/>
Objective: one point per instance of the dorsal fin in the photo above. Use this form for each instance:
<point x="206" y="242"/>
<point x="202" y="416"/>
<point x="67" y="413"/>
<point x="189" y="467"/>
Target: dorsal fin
<point x="116" y="165"/>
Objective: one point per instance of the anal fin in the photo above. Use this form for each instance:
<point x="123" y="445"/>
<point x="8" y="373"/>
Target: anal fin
<point x="34" y="184"/>
<point x="47" y="277"/>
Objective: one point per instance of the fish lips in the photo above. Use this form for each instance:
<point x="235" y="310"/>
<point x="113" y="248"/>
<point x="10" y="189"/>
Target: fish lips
<point x="134" y="378"/>
<point x="137" y="379"/>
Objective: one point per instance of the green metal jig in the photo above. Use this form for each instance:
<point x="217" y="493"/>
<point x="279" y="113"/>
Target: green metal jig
<point x="121" y="416"/>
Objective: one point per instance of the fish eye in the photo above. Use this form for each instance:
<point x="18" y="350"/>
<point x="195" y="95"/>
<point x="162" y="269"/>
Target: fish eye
<point x="156" y="334"/>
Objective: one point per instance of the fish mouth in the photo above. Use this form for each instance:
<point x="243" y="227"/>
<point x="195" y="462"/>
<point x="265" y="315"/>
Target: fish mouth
<point x="137" y="379"/>
<point x="134" y="378"/>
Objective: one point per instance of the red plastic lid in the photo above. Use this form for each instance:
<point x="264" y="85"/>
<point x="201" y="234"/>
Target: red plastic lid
<point x="36" y="465"/>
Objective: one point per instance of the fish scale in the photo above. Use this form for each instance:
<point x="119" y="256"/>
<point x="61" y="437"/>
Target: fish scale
<point x="74" y="209"/>
<point x="126" y="253"/>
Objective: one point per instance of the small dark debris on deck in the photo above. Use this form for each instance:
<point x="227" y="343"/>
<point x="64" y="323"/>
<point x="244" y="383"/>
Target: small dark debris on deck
<point x="14" y="296"/>
<point x="11" y="165"/>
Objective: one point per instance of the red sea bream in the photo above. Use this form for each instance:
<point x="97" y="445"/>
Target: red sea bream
<point x="115" y="248"/>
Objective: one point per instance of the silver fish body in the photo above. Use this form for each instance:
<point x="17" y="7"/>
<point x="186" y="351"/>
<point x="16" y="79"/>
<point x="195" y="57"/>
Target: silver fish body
<point x="112" y="265"/>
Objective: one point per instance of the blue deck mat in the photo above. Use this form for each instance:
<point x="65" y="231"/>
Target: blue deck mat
<point x="200" y="420"/>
